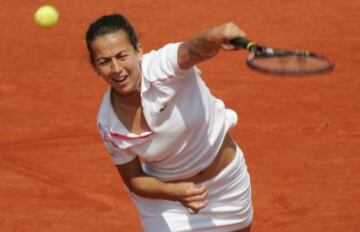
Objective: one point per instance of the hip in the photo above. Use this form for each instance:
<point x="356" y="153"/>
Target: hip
<point x="223" y="158"/>
<point x="228" y="208"/>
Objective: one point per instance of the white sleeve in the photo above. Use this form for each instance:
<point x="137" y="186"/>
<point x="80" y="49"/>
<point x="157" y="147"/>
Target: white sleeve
<point x="162" y="64"/>
<point x="117" y="154"/>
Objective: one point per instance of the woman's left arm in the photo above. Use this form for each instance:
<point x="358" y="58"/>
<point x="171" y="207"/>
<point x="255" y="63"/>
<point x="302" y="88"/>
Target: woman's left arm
<point x="207" y="43"/>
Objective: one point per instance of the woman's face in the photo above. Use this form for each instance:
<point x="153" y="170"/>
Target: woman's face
<point x="118" y="62"/>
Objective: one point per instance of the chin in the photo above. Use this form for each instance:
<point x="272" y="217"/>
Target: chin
<point x="124" y="92"/>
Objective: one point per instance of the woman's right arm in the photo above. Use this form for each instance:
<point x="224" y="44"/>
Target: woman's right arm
<point x="207" y="43"/>
<point x="192" y="196"/>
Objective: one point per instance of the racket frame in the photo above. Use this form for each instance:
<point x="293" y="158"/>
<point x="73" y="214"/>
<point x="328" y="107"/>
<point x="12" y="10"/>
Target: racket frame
<point x="261" y="52"/>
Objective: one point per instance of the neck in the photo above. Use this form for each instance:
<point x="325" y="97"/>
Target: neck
<point x="133" y="100"/>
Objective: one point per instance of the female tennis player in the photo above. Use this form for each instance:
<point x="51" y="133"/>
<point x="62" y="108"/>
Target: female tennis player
<point x="166" y="133"/>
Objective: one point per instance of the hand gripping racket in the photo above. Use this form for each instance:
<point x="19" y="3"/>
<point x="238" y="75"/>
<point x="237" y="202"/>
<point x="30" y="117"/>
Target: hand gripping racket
<point x="283" y="62"/>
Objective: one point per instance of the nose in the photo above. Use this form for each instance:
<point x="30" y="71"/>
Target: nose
<point x="115" y="66"/>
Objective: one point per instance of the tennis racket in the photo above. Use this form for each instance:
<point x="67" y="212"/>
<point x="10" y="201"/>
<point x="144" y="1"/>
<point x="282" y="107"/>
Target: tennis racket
<point x="283" y="62"/>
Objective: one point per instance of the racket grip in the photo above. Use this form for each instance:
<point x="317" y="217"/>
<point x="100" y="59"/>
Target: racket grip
<point x="243" y="43"/>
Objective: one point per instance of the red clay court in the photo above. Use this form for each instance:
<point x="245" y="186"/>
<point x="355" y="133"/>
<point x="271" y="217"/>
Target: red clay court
<point x="301" y="136"/>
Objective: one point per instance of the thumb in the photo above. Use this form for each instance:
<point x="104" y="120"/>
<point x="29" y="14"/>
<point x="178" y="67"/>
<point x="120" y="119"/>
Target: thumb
<point x="191" y="211"/>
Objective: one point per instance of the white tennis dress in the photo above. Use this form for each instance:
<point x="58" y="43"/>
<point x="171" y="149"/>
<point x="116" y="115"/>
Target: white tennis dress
<point x="188" y="125"/>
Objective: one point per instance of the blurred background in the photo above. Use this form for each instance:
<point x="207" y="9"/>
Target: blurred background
<point x="301" y="136"/>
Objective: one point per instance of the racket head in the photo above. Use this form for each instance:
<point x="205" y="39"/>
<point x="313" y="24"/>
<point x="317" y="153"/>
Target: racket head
<point x="281" y="61"/>
<point x="288" y="63"/>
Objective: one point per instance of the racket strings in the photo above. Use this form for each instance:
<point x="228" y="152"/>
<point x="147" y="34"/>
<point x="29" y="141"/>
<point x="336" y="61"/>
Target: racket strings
<point x="290" y="63"/>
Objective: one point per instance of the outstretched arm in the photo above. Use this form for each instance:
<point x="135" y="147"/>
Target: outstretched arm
<point x="207" y="43"/>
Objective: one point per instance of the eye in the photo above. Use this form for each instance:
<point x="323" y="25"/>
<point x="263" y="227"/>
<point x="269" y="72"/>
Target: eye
<point x="103" y="62"/>
<point x="121" y="56"/>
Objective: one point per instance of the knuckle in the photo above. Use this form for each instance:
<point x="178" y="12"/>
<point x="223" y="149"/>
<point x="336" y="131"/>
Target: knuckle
<point x="204" y="195"/>
<point x="187" y="192"/>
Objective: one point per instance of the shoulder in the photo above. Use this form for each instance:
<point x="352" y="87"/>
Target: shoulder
<point x="161" y="62"/>
<point x="162" y="65"/>
<point x="165" y="51"/>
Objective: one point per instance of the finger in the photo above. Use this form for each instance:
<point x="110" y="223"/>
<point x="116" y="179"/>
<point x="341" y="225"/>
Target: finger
<point x="200" y="189"/>
<point x="195" y="190"/>
<point x="230" y="47"/>
<point x="196" y="205"/>
<point x="200" y="197"/>
<point x="192" y="211"/>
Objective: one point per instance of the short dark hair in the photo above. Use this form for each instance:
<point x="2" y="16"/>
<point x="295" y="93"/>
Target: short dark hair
<point x="109" y="24"/>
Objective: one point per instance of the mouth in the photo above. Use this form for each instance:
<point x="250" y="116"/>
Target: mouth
<point x="119" y="79"/>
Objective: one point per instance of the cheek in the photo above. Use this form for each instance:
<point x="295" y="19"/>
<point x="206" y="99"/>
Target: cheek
<point x="105" y="78"/>
<point x="135" y="66"/>
<point x="102" y="71"/>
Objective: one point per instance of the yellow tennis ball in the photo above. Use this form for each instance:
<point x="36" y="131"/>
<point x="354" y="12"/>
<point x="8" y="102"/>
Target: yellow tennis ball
<point x="46" y="16"/>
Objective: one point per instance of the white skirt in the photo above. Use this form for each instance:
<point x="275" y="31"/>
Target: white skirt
<point x="228" y="206"/>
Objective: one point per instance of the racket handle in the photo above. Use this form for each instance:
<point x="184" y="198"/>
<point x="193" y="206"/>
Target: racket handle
<point x="243" y="43"/>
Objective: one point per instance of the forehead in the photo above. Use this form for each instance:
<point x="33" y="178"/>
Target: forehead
<point x="110" y="44"/>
